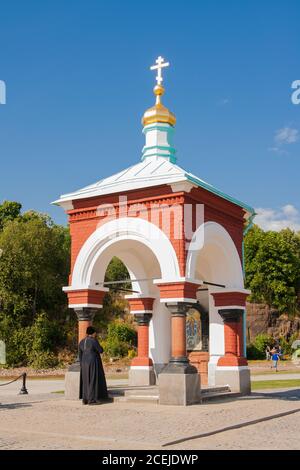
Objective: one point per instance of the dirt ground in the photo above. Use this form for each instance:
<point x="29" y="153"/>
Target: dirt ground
<point x="121" y="368"/>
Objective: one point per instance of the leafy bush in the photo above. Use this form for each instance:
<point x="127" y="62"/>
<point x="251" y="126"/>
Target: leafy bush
<point x="31" y="345"/>
<point x="18" y="345"/>
<point x="286" y="345"/>
<point x="46" y="334"/>
<point x="113" y="347"/>
<point x="252" y="352"/>
<point x="121" y="338"/>
<point x="131" y="353"/>
<point x="122" y="331"/>
<point x="43" y="359"/>
<point x="262" y="341"/>
<point x="257" y="349"/>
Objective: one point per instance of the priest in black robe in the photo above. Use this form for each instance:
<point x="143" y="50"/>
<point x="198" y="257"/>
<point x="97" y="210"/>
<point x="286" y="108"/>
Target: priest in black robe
<point x="93" y="387"/>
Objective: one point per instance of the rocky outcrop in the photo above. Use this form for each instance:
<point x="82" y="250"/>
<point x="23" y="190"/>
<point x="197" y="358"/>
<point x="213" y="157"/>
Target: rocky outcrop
<point x="263" y="319"/>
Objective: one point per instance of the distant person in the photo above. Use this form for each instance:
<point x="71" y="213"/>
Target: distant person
<point x="275" y="359"/>
<point x="268" y="353"/>
<point x="93" y="387"/>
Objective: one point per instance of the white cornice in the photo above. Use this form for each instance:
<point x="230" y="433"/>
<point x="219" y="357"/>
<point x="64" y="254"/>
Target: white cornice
<point x="182" y="186"/>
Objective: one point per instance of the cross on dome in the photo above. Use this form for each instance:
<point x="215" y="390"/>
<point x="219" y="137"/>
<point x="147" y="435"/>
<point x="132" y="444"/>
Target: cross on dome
<point x="160" y="65"/>
<point x="158" y="112"/>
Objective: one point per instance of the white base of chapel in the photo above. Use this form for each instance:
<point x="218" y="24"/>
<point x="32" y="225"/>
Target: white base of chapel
<point x="238" y="378"/>
<point x="141" y="376"/>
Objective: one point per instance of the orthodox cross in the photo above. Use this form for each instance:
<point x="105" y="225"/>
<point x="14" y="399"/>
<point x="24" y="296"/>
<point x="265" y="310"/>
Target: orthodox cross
<point x="160" y="64"/>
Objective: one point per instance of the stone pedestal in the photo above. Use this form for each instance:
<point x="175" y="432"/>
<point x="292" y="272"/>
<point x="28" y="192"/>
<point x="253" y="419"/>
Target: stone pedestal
<point x="72" y="382"/>
<point x="141" y="376"/>
<point x="238" y="378"/>
<point x="179" y="389"/>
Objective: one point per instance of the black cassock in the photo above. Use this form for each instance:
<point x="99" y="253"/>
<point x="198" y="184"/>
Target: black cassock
<point x="92" y="379"/>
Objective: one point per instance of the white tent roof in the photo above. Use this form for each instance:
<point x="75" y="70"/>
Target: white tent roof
<point x="153" y="171"/>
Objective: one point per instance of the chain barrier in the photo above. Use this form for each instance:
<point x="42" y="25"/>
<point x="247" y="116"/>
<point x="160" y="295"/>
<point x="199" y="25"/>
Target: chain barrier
<point x="23" y="390"/>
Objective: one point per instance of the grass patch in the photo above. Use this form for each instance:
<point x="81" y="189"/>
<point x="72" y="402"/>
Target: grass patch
<point x="264" y="384"/>
<point x="271" y="371"/>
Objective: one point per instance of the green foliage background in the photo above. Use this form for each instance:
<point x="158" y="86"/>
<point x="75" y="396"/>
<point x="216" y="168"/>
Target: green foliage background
<point x="272" y="268"/>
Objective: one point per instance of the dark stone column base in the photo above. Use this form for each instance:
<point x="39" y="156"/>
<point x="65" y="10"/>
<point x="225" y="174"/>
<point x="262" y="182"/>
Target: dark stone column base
<point x="179" y="365"/>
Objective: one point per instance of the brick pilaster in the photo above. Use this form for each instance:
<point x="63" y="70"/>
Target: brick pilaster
<point x="142" y="308"/>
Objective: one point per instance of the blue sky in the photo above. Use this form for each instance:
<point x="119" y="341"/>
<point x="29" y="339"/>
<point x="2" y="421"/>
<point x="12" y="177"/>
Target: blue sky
<point x="78" y="81"/>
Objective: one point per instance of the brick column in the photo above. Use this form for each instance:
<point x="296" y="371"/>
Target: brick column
<point x="230" y="304"/>
<point x="85" y="317"/>
<point x="141" y="308"/>
<point x="233" y="335"/>
<point x="179" y="362"/>
<point x="141" y="368"/>
<point x="232" y="368"/>
<point x="143" y="359"/>
<point x="178" y="297"/>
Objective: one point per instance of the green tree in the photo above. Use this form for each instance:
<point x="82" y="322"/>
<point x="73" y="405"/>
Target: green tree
<point x="114" y="304"/>
<point x="9" y="210"/>
<point x="272" y="268"/>
<point x="117" y="271"/>
<point x="34" y="265"/>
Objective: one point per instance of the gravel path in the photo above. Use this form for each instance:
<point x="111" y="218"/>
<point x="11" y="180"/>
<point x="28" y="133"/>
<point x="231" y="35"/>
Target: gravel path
<point x="47" y="421"/>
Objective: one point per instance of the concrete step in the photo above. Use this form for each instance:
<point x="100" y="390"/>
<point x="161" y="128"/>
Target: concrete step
<point x="153" y="399"/>
<point x="151" y="394"/>
<point x="142" y="391"/>
<point x="219" y="396"/>
<point x="220" y="389"/>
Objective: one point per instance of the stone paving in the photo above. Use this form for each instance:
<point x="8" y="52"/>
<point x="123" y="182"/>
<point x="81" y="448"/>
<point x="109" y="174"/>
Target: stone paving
<point x="43" y="420"/>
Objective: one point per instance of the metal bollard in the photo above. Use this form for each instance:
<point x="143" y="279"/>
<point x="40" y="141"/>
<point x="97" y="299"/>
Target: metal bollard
<point x="24" y="390"/>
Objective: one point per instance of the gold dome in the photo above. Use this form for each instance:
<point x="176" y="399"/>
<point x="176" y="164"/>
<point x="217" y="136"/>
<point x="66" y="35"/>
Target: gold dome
<point x="158" y="112"/>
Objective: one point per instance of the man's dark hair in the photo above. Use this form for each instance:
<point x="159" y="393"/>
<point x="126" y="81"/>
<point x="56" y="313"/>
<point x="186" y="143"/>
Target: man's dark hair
<point x="90" y="330"/>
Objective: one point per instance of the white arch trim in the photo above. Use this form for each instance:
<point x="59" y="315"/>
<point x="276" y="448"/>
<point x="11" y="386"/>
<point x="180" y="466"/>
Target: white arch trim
<point x="126" y="228"/>
<point x="212" y="233"/>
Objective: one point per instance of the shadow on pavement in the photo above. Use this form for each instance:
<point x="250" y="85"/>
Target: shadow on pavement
<point x="14" y="406"/>
<point x="232" y="427"/>
<point x="290" y="395"/>
<point x="287" y="395"/>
